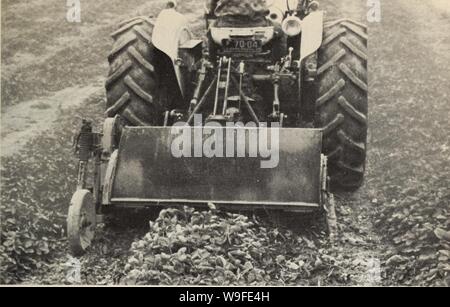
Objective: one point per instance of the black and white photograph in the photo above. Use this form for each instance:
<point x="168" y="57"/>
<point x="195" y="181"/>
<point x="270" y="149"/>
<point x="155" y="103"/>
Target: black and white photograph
<point x="240" y="145"/>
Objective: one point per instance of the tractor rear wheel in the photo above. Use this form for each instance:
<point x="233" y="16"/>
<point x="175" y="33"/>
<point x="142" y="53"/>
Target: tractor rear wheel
<point x="132" y="86"/>
<point x="342" y="104"/>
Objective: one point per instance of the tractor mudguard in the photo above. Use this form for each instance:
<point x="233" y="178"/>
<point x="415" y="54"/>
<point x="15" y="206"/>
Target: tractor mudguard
<point x="145" y="171"/>
<point x="312" y="34"/>
<point x="170" y="34"/>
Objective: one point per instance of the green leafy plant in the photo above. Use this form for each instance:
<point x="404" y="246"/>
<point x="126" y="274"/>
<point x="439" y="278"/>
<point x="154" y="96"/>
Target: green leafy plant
<point x="189" y="247"/>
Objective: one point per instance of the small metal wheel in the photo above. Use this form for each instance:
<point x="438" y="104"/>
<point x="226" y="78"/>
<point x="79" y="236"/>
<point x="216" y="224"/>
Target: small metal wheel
<point x="81" y="222"/>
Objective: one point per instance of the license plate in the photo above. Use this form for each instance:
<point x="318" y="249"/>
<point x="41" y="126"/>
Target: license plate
<point x="243" y="45"/>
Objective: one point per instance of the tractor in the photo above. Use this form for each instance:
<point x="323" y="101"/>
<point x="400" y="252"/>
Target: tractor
<point x="280" y="76"/>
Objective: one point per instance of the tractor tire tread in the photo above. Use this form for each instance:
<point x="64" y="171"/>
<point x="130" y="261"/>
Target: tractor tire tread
<point x="342" y="103"/>
<point x="132" y="86"/>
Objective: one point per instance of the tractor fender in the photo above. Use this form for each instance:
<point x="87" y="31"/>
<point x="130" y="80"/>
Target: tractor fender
<point x="109" y="177"/>
<point x="170" y="34"/>
<point x="312" y="34"/>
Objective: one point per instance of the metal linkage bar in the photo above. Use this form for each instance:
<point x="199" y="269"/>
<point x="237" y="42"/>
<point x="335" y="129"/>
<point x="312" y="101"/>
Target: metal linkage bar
<point x="202" y="101"/>
<point x="216" y="99"/>
<point x="225" y="100"/>
<point x="246" y="102"/>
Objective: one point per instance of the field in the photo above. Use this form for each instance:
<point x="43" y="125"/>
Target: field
<point x="52" y="75"/>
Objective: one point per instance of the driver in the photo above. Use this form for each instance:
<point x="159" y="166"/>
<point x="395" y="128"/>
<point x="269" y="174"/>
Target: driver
<point x="248" y="8"/>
